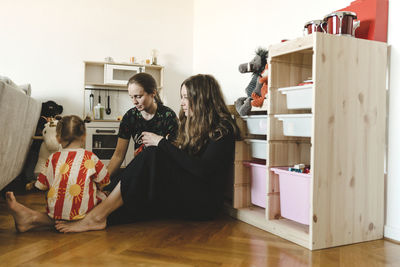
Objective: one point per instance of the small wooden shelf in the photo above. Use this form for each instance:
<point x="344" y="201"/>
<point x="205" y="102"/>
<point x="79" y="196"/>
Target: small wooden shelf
<point x="346" y="147"/>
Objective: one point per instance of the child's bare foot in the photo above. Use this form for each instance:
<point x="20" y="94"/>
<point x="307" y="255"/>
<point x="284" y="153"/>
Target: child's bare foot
<point x="89" y="223"/>
<point x="23" y="216"/>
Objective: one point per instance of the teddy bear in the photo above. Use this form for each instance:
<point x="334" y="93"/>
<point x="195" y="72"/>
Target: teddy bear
<point x="50" y="109"/>
<point x="49" y="144"/>
<point x="257" y="87"/>
<point x="258" y="99"/>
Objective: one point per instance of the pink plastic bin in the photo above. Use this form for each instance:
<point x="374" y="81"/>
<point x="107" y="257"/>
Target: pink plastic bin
<point x="294" y="194"/>
<point x="258" y="182"/>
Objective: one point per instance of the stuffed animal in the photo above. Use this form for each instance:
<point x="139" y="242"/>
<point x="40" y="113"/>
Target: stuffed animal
<point x="50" y="109"/>
<point x="258" y="99"/>
<point x="253" y="90"/>
<point x="49" y="145"/>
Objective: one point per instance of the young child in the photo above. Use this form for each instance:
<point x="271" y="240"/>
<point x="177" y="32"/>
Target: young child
<point x="73" y="176"/>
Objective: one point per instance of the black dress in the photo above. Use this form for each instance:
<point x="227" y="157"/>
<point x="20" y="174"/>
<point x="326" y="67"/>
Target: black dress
<point x="165" y="182"/>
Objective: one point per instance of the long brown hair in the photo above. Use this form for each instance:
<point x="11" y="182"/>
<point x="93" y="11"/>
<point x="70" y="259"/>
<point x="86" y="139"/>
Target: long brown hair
<point x="148" y="83"/>
<point x="208" y="118"/>
<point x="70" y="128"/>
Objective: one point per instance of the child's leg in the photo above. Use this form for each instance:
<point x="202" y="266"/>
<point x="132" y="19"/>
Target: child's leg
<point x="24" y="217"/>
<point x="96" y="219"/>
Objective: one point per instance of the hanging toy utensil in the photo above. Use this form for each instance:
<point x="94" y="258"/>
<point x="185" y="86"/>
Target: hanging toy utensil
<point x="108" y="109"/>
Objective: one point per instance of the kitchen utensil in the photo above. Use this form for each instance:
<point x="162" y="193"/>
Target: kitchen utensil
<point x="342" y="23"/>
<point x="91" y="101"/>
<point x="108" y="109"/>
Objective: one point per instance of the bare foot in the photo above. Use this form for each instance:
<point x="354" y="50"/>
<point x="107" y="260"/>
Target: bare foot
<point x="23" y="216"/>
<point x="89" y="223"/>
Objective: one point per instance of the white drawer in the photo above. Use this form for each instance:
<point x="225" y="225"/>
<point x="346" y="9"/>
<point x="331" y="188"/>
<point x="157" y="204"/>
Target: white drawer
<point x="296" y="124"/>
<point x="298" y="97"/>
<point x="256" y="124"/>
<point x="258" y="148"/>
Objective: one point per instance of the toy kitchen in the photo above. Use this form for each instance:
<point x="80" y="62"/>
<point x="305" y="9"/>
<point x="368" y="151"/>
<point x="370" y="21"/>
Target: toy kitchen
<point x="106" y="101"/>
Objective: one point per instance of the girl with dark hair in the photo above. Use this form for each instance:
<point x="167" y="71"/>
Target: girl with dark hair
<point x="148" y="114"/>
<point x="73" y="178"/>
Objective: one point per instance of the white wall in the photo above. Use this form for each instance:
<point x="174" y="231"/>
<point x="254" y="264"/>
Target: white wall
<point x="229" y="35"/>
<point x="392" y="227"/>
<point x="44" y="42"/>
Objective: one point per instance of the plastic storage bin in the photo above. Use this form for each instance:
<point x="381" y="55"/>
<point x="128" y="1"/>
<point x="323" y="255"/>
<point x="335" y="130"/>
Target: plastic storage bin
<point x="258" y="148"/>
<point x="294" y="194"/>
<point x="258" y="183"/>
<point x="256" y="124"/>
<point x="296" y="124"/>
<point x="298" y="97"/>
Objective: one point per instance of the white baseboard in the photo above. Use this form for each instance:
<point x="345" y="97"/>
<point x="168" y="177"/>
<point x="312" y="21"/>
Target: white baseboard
<point x="392" y="232"/>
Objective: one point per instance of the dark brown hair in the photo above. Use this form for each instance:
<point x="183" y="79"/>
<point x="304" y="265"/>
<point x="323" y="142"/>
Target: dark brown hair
<point x="70" y="128"/>
<point x="148" y="83"/>
<point x="208" y="118"/>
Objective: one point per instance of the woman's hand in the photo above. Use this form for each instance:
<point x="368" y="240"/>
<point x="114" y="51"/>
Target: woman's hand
<point x="151" y="139"/>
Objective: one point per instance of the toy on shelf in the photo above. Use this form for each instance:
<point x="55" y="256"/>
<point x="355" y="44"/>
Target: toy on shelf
<point x="257" y="89"/>
<point x="308" y="81"/>
<point x="300" y="168"/>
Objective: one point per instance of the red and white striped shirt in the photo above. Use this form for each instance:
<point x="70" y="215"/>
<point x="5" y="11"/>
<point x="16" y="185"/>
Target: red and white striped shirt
<point x="74" y="179"/>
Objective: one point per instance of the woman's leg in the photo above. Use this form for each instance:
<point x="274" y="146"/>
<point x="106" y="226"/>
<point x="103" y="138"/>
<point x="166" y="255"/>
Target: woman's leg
<point x="96" y="219"/>
<point x="24" y="217"/>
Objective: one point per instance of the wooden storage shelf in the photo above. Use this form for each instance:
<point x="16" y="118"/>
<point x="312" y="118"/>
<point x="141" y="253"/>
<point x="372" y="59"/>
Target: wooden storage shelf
<point x="346" y="147"/>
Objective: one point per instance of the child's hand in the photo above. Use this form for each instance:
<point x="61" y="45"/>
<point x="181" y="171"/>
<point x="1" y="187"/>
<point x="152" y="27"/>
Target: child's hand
<point x="151" y="139"/>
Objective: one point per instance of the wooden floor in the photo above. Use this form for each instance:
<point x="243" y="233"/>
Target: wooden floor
<point x="224" y="242"/>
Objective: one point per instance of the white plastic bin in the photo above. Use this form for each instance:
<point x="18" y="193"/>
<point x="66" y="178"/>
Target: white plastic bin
<point x="258" y="148"/>
<point x="296" y="124"/>
<point x="298" y="97"/>
<point x="256" y="124"/>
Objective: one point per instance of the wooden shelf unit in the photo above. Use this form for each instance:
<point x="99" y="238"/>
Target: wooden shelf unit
<point x="346" y="147"/>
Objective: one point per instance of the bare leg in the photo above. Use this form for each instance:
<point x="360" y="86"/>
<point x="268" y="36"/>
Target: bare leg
<point x="24" y="217"/>
<point x="96" y="219"/>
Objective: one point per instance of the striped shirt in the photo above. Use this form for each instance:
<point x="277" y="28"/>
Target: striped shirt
<point x="74" y="179"/>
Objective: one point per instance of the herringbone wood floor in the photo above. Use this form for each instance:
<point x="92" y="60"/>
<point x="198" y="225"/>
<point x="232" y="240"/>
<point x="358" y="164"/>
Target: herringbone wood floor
<point x="223" y="242"/>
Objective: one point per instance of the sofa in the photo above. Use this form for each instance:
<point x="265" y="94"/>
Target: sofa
<point x="19" y="114"/>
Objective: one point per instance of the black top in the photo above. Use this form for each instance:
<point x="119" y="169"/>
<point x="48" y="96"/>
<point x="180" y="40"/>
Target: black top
<point x="163" y="123"/>
<point x="165" y="181"/>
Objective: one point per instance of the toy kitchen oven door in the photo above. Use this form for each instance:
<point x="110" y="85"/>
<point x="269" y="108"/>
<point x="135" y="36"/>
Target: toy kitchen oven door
<point x="101" y="139"/>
